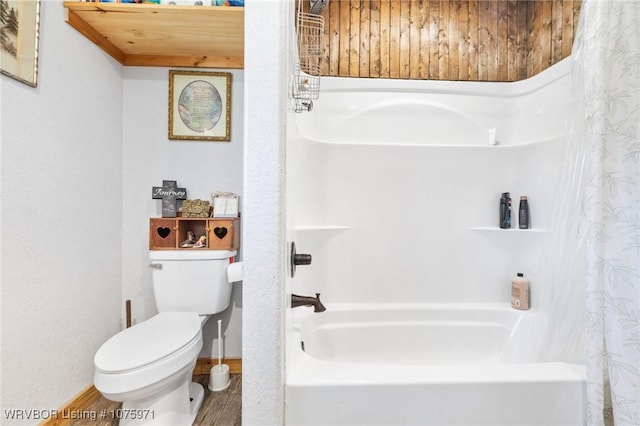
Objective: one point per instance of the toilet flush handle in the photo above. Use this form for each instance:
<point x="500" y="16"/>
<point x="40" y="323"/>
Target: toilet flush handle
<point x="155" y="265"/>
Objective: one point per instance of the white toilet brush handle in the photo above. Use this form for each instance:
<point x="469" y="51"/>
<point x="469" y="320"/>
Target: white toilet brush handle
<point x="219" y="342"/>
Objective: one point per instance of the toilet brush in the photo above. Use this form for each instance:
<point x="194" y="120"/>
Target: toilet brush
<point x="219" y="378"/>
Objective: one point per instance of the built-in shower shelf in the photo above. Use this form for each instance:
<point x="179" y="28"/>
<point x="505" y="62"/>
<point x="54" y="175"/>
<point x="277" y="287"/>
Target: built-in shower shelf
<point x="510" y="230"/>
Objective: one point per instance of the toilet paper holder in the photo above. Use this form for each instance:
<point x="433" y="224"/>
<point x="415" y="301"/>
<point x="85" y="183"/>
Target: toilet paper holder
<point x="235" y="272"/>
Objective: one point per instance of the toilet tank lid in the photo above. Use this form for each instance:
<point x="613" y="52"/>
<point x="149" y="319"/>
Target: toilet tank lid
<point x="190" y="254"/>
<point x="148" y="342"/>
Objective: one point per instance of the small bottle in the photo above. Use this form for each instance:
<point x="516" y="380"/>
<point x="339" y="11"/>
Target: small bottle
<point x="505" y="211"/>
<point x="520" y="292"/>
<point x="524" y="221"/>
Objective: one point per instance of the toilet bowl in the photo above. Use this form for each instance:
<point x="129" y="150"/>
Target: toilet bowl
<point x="148" y="367"/>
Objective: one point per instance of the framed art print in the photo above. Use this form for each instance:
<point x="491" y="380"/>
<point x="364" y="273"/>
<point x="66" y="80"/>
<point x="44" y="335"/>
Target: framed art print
<point x="19" y="33"/>
<point x="199" y="105"/>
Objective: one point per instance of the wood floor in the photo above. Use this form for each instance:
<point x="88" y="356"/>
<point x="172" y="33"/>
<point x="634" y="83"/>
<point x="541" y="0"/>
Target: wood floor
<point x="222" y="408"/>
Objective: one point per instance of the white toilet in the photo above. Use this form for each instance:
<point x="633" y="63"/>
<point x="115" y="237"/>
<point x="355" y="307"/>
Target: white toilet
<point x="149" y="366"/>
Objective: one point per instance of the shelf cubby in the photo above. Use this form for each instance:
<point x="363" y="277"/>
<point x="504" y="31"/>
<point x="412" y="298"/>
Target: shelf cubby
<point x="169" y="233"/>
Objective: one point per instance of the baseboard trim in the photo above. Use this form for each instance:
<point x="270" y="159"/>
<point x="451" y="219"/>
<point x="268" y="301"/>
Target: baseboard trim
<point x="203" y="365"/>
<point x="75" y="408"/>
<point x="79" y="405"/>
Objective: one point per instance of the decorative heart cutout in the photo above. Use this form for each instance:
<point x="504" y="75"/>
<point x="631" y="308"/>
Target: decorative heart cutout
<point x="220" y="232"/>
<point x="163" y="232"/>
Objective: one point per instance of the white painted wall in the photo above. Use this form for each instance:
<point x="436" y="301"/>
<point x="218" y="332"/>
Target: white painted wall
<point x="61" y="218"/>
<point x="149" y="157"/>
<point x="80" y="154"/>
<point x="266" y="29"/>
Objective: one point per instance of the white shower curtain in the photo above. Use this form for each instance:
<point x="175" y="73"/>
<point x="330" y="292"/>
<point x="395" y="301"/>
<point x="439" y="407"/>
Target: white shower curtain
<point x="607" y="70"/>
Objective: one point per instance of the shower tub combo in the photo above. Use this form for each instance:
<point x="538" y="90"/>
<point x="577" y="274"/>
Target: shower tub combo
<point x="410" y="336"/>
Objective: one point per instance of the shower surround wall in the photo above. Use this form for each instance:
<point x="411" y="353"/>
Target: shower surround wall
<point x="395" y="185"/>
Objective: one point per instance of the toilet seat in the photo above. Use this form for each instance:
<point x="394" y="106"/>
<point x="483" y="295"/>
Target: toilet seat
<point x="145" y="353"/>
<point x="148" y="342"/>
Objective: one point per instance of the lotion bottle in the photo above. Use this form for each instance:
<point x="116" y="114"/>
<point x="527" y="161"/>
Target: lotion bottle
<point x="520" y="292"/>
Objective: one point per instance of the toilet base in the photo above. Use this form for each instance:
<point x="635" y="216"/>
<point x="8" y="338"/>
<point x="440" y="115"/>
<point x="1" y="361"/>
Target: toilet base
<point x="178" y="407"/>
<point x="196" y="391"/>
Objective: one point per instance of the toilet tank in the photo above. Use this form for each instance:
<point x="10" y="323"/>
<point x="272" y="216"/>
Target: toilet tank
<point x="191" y="280"/>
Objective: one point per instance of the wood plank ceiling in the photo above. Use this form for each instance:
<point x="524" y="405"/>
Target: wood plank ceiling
<point x="470" y="40"/>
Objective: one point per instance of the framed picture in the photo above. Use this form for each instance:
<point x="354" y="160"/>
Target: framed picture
<point x="19" y="20"/>
<point x="199" y="105"/>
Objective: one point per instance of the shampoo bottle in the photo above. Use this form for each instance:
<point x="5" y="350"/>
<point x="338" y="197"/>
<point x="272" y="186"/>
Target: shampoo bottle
<point x="524" y="218"/>
<point x="520" y="292"/>
<point x="505" y="211"/>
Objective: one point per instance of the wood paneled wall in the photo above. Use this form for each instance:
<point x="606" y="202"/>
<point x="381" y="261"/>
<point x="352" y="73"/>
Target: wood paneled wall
<point x="477" y="40"/>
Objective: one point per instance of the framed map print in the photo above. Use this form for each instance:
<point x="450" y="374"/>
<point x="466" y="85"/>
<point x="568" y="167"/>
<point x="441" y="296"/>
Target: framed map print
<point x="199" y="105"/>
<point x="19" y="26"/>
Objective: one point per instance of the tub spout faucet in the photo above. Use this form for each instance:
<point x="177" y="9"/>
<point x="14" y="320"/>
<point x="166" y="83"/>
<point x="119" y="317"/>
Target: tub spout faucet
<point x="308" y="301"/>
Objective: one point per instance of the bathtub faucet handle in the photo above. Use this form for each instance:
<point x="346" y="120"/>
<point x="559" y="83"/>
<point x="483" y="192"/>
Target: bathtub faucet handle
<point x="301" y="259"/>
<point x="297" y="259"/>
<point x="318" y="307"/>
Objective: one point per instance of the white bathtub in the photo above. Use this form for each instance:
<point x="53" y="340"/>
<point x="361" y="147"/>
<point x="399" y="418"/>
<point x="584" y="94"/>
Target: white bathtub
<point x="425" y="364"/>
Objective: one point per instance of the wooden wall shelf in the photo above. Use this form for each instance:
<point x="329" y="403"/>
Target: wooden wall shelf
<point x="167" y="233"/>
<point x="163" y="35"/>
